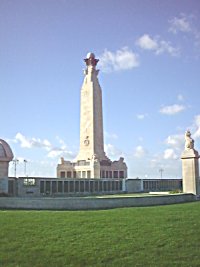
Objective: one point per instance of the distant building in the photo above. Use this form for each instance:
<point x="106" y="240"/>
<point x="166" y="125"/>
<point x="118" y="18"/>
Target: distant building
<point x="91" y="161"/>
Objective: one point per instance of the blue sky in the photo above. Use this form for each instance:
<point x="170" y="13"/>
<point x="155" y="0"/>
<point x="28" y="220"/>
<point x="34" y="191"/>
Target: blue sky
<point x="149" y="65"/>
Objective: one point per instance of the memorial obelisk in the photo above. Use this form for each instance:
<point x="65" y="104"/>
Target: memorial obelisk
<point x="91" y="118"/>
<point x="91" y="161"/>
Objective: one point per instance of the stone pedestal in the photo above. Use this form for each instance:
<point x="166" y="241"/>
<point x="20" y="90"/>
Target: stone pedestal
<point x="4" y="177"/>
<point x="190" y="171"/>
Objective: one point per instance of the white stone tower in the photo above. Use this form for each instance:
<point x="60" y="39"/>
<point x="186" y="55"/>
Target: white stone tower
<point x="91" y="118"/>
<point x="91" y="161"/>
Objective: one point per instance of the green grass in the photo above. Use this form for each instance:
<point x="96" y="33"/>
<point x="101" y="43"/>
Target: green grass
<point x="153" y="236"/>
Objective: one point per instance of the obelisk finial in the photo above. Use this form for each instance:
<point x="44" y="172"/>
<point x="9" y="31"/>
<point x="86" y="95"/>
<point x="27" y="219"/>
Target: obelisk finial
<point x="90" y="60"/>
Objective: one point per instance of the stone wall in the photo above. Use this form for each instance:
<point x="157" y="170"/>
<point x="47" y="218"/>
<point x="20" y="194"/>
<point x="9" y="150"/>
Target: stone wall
<point x="80" y="203"/>
<point x="134" y="185"/>
<point x="42" y="186"/>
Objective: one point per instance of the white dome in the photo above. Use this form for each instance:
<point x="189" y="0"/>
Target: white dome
<point x="5" y="151"/>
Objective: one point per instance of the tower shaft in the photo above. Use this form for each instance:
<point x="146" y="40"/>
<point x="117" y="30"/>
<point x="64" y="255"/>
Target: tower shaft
<point x="91" y="118"/>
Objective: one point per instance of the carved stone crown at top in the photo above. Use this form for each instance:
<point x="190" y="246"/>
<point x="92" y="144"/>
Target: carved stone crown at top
<point x="189" y="142"/>
<point x="90" y="60"/>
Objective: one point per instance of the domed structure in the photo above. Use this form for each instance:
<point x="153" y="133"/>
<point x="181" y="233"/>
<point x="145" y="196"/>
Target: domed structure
<point x="6" y="153"/>
<point x="6" y="156"/>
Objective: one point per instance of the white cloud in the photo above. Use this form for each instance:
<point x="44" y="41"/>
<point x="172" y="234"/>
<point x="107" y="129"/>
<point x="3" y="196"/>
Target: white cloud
<point x="180" y="24"/>
<point x="197" y="38"/>
<point x="112" y="152"/>
<point x="53" y="152"/>
<point x="139" y="152"/>
<point x="157" y="45"/>
<point x="10" y="140"/>
<point x="170" y="154"/>
<point x="24" y="142"/>
<point x="59" y="152"/>
<point x="148" y="43"/>
<point x="176" y="141"/>
<point x="180" y="97"/>
<point x="196" y="127"/>
<point x="172" y="110"/>
<point x="184" y="24"/>
<point x="142" y="116"/>
<point x="165" y="46"/>
<point x="111" y="135"/>
<point x="122" y="59"/>
<point x="62" y="143"/>
<point x="144" y="163"/>
<point x="32" y="142"/>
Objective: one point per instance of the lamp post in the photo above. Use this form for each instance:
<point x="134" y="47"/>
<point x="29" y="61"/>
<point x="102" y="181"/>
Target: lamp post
<point x="15" y="162"/>
<point x="25" y="162"/>
<point x="161" y="172"/>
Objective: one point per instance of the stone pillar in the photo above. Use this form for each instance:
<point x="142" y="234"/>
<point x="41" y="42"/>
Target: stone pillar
<point x="95" y="170"/>
<point x="4" y="177"/>
<point x="190" y="167"/>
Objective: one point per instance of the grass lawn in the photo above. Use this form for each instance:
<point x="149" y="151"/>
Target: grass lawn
<point x="152" y="236"/>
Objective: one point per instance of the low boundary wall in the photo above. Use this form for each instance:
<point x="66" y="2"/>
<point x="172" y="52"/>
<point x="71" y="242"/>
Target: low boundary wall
<point x="81" y="203"/>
